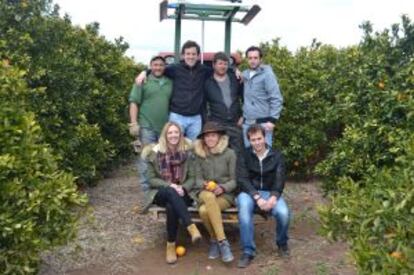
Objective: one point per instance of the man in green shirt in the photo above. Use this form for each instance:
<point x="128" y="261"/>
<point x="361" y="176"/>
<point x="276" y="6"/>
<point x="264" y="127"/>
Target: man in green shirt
<point x="148" y="109"/>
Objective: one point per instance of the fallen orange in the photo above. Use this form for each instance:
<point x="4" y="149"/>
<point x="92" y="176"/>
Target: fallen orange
<point x="180" y="251"/>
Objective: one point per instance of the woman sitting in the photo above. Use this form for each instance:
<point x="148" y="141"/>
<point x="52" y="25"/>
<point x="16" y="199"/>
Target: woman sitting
<point x="171" y="179"/>
<point x="215" y="181"/>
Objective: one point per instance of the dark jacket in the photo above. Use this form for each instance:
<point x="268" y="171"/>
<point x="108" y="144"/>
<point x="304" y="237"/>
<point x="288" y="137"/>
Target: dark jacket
<point x="156" y="182"/>
<point x="270" y="176"/>
<point x="216" y="108"/>
<point x="187" y="97"/>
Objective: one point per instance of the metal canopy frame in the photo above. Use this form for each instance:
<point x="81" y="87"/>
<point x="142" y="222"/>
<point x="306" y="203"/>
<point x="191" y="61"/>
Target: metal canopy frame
<point x="227" y="13"/>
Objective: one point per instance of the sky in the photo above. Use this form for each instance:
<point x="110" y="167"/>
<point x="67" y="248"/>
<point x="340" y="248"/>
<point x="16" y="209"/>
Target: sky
<point x="295" y="22"/>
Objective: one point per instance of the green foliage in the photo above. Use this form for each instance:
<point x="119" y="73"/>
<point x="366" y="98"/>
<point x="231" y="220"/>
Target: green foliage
<point x="82" y="109"/>
<point x="348" y="117"/>
<point x="376" y="216"/>
<point x="36" y="199"/>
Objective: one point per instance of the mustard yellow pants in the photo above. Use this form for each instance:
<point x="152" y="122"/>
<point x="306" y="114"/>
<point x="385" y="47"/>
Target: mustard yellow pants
<point x="210" y="213"/>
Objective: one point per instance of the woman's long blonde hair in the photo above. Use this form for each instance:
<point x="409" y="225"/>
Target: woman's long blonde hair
<point x="162" y="141"/>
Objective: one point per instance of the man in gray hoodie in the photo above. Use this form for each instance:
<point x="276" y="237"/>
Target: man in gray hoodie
<point x="262" y="98"/>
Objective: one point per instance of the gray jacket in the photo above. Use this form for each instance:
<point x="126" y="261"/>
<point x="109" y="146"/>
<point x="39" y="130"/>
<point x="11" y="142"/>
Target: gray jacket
<point x="262" y="98"/>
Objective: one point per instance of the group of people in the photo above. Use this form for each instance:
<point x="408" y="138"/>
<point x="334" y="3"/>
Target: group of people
<point x="207" y="142"/>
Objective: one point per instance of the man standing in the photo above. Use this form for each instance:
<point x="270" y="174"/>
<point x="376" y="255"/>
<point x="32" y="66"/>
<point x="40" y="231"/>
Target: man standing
<point x="223" y="93"/>
<point x="148" y="109"/>
<point x="187" y="100"/>
<point x="261" y="177"/>
<point x="262" y="98"/>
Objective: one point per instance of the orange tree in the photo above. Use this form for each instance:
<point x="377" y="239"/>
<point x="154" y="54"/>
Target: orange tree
<point x="368" y="172"/>
<point x="82" y="108"/>
<point x="348" y="118"/>
<point x="37" y="199"/>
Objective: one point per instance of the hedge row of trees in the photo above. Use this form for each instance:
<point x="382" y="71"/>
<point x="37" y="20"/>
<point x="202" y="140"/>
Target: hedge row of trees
<point x="349" y="119"/>
<point x="63" y="109"/>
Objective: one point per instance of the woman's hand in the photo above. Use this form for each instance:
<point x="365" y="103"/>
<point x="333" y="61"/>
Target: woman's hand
<point x="178" y="188"/>
<point x="218" y="190"/>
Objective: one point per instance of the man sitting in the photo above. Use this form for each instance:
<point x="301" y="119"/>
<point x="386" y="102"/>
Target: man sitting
<point x="261" y="177"/>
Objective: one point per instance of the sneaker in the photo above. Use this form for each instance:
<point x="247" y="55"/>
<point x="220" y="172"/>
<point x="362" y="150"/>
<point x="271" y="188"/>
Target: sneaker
<point x="213" y="250"/>
<point x="245" y="260"/>
<point x="283" y="251"/>
<point x="225" y="251"/>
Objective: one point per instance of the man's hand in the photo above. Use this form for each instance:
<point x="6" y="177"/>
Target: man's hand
<point x="238" y="74"/>
<point x="240" y="122"/>
<point x="269" y="126"/>
<point x="218" y="190"/>
<point x="262" y="204"/>
<point x="270" y="203"/>
<point x="141" y="78"/>
<point x="134" y="129"/>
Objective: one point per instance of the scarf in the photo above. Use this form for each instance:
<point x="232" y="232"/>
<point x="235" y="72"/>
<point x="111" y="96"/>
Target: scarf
<point x="170" y="164"/>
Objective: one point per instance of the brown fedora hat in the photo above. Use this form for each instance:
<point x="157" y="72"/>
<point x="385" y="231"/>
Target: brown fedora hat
<point x="212" y="127"/>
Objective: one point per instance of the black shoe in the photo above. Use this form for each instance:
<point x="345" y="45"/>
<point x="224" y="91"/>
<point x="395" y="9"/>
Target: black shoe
<point x="283" y="251"/>
<point x="245" y="260"/>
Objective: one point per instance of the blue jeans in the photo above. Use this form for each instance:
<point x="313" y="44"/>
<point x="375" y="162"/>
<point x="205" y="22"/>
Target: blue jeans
<point x="147" y="136"/>
<point x="280" y="212"/>
<point x="268" y="136"/>
<point x="190" y="125"/>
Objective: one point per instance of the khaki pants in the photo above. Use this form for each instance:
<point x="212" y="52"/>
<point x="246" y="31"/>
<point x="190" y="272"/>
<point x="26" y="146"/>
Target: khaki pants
<point x="210" y="213"/>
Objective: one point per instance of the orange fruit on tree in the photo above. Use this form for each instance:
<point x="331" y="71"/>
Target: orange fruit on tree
<point x="180" y="250"/>
<point x="396" y="255"/>
<point x="211" y="185"/>
<point x="296" y="163"/>
<point x="381" y="85"/>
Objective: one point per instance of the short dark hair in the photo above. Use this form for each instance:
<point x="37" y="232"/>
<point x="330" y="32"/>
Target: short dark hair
<point x="255" y="128"/>
<point x="254" y="49"/>
<point x="190" y="44"/>
<point x="157" y="57"/>
<point x="220" y="56"/>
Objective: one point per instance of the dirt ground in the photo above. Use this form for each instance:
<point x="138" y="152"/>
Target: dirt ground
<point x="115" y="239"/>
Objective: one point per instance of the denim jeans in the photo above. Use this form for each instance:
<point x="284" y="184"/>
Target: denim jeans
<point x="268" y="136"/>
<point x="190" y="125"/>
<point x="280" y="212"/>
<point x="147" y="136"/>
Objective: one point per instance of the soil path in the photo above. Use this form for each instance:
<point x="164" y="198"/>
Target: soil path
<point x="115" y="239"/>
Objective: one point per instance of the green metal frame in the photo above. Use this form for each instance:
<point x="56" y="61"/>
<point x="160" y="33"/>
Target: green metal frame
<point x="206" y="12"/>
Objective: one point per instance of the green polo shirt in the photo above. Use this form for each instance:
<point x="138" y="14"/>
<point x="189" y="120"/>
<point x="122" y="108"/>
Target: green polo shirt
<point x="153" y="100"/>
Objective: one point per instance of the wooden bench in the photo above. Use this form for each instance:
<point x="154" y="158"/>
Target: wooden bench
<point x="229" y="215"/>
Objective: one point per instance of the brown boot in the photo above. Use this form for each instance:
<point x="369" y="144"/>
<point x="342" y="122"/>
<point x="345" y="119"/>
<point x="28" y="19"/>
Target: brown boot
<point x="195" y="234"/>
<point x="171" y="255"/>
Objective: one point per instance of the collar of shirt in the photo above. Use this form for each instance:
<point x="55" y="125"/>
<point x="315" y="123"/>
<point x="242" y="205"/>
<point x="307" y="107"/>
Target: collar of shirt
<point x="262" y="156"/>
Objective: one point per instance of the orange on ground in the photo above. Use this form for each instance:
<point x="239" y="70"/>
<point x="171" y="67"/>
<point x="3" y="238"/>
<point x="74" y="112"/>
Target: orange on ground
<point x="180" y="250"/>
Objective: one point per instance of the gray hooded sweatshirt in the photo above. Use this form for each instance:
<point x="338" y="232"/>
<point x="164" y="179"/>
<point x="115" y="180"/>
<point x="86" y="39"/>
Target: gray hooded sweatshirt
<point x="262" y="98"/>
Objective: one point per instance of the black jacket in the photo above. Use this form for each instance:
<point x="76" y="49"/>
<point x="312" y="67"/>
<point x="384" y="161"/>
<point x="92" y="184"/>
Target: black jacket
<point x="270" y="176"/>
<point x="187" y="97"/>
<point x="216" y="108"/>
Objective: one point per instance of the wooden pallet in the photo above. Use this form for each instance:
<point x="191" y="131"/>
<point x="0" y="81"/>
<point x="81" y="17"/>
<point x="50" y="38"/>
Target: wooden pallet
<point x="229" y="215"/>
